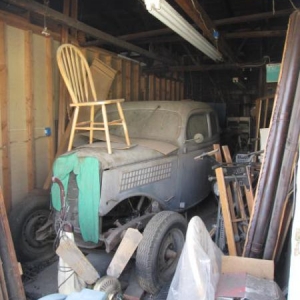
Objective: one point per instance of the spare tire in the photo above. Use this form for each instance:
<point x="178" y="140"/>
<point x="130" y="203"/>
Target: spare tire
<point x="25" y="219"/>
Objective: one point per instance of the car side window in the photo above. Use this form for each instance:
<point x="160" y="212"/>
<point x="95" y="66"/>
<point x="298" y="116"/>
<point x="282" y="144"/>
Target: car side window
<point x="197" y="123"/>
<point x="214" y="123"/>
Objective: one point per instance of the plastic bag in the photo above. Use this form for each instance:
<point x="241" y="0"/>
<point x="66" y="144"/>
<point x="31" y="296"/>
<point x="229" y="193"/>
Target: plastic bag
<point x="199" y="266"/>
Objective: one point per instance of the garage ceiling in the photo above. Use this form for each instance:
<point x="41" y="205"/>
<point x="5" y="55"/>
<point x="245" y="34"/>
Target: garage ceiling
<point x="249" y="40"/>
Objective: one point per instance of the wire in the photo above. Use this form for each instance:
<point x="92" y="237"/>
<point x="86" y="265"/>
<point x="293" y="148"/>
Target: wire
<point x="293" y="5"/>
<point x="200" y="14"/>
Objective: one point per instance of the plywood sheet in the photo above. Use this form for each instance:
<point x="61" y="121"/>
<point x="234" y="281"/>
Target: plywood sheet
<point x="255" y="267"/>
<point x="40" y="108"/>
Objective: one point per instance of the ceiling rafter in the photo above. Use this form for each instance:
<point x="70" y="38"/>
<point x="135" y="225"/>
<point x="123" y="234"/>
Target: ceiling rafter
<point x="199" y="16"/>
<point x="60" y="18"/>
<point x="220" y="22"/>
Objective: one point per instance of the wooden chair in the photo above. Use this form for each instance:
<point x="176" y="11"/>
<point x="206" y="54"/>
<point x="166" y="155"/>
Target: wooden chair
<point x="77" y="76"/>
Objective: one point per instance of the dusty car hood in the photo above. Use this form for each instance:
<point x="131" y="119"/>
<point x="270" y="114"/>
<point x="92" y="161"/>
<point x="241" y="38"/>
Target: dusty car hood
<point x="121" y="155"/>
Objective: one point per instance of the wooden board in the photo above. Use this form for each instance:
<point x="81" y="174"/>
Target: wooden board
<point x="124" y="252"/>
<point x="256" y="267"/>
<point x="71" y="254"/>
<point x="5" y="139"/>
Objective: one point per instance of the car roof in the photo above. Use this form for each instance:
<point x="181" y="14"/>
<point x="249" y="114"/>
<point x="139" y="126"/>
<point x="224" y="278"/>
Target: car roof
<point x="182" y="107"/>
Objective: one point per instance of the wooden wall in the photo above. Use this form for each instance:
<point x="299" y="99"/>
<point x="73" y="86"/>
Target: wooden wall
<point x="29" y="101"/>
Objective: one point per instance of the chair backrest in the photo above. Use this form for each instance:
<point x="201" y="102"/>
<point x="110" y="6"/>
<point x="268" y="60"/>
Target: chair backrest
<point x="76" y="73"/>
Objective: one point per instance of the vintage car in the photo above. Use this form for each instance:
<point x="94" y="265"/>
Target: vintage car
<point x="144" y="186"/>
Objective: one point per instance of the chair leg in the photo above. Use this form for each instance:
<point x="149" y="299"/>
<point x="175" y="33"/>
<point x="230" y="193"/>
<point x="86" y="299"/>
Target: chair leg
<point x="105" y="123"/>
<point x="76" y="112"/>
<point x="120" y="110"/>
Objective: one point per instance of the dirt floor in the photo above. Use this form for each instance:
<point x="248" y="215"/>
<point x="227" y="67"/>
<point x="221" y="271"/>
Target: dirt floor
<point x="41" y="279"/>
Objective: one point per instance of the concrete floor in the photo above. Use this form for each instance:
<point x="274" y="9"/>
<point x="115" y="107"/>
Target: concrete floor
<point x="44" y="282"/>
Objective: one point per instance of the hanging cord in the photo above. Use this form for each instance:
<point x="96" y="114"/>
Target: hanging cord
<point x="215" y="32"/>
<point x="45" y="31"/>
<point x="293" y="5"/>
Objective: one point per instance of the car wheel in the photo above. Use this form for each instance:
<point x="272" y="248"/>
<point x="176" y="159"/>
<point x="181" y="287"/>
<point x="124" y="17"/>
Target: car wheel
<point x="158" y="252"/>
<point x="25" y="219"/>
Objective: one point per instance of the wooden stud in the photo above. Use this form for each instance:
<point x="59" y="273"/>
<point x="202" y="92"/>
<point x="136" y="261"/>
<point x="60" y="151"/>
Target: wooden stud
<point x="50" y="100"/>
<point x="173" y="90"/>
<point x="29" y="109"/>
<point x="143" y="87"/>
<point x="62" y="107"/>
<point x="14" y="283"/>
<point x="117" y="83"/>
<point x="225" y="206"/>
<point x="135" y="81"/>
<point x="74" y="14"/>
<point x="126" y="76"/>
<point x="181" y="90"/>
<point x="151" y="87"/>
<point x="168" y="89"/>
<point x="177" y="87"/>
<point x="157" y="89"/>
<point x="5" y="142"/>
<point x="163" y="88"/>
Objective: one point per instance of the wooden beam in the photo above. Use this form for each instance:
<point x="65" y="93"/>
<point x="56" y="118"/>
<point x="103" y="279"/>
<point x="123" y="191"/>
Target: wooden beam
<point x="11" y="270"/>
<point x="62" y="105"/>
<point x="195" y="11"/>
<point x="29" y="109"/>
<point x="205" y="68"/>
<point x="254" y="17"/>
<point x="254" y="34"/>
<point x="5" y="140"/>
<point x="50" y="100"/>
<point x="227" y="21"/>
<point x="93" y="32"/>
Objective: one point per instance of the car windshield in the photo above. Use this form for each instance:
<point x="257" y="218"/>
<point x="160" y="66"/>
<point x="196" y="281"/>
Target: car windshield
<point x="157" y="124"/>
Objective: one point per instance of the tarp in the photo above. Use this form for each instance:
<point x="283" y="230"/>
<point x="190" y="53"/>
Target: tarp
<point x="87" y="174"/>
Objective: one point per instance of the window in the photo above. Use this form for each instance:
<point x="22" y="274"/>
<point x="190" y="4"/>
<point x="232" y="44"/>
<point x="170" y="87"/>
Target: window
<point x="197" y="124"/>
<point x="214" y="123"/>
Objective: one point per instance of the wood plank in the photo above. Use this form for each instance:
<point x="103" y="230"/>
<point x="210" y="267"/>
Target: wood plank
<point x="71" y="254"/>
<point x="143" y="79"/>
<point x="181" y="90"/>
<point x="124" y="252"/>
<point x="157" y="88"/>
<point x="228" y="160"/>
<point x="126" y="79"/>
<point x="50" y="101"/>
<point x="135" y="82"/>
<point x="224" y="200"/>
<point x="151" y="87"/>
<point x="177" y="87"/>
<point x="62" y="106"/>
<point x="163" y="88"/>
<point x="168" y="89"/>
<point x="5" y="139"/>
<point x="12" y="274"/>
<point x="29" y="109"/>
<point x="173" y="90"/>
<point x="74" y="15"/>
<point x="117" y="83"/>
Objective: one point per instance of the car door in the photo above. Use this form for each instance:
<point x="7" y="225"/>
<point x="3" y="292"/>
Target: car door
<point x="201" y="133"/>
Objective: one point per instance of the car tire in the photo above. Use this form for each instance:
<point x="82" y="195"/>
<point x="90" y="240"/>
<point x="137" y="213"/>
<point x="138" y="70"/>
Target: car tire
<point x="159" y="251"/>
<point x="25" y="219"/>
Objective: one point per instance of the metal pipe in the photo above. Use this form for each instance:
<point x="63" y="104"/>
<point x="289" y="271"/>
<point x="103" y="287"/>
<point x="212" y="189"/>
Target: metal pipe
<point x="269" y="174"/>
<point x="285" y="176"/>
